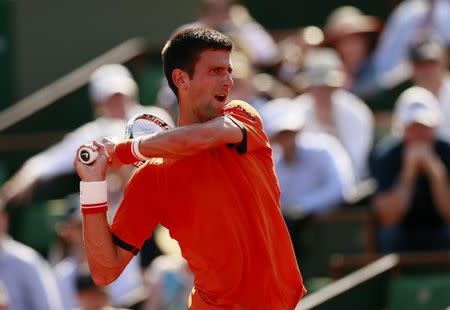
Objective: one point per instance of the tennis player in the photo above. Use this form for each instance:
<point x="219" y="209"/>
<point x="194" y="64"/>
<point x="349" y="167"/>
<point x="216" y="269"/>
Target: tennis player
<point x="210" y="181"/>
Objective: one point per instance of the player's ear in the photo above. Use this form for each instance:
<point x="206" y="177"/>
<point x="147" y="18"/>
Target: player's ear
<point x="180" y="78"/>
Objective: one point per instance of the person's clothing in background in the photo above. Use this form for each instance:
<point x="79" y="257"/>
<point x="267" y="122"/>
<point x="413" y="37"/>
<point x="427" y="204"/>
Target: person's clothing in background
<point x="113" y="94"/>
<point x="422" y="228"/>
<point x="28" y="278"/>
<point x="318" y="180"/>
<point x="412" y="171"/>
<point x="353" y="125"/>
<point x="328" y="108"/>
<point x="409" y="22"/>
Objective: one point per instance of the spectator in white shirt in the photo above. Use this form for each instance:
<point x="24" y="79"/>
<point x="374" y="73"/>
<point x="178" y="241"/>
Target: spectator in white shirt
<point x="314" y="172"/>
<point x="28" y="278"/>
<point x="114" y="95"/>
<point x="331" y="109"/>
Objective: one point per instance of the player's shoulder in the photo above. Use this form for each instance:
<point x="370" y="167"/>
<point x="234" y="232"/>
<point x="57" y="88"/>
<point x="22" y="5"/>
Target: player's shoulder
<point x="241" y="108"/>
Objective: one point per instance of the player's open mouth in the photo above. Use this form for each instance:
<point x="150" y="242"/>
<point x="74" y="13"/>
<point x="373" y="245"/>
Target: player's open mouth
<point x="221" y="97"/>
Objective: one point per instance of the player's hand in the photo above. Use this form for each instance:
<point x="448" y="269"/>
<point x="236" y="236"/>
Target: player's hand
<point x="110" y="144"/>
<point x="95" y="171"/>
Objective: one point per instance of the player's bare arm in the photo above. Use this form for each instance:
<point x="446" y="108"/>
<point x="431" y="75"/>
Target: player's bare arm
<point x="191" y="139"/>
<point x="106" y="259"/>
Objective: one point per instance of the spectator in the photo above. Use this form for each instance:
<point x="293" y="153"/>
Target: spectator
<point x="28" y="278"/>
<point x="330" y="109"/>
<point x="127" y="290"/>
<point x="234" y="19"/>
<point x="412" y="172"/>
<point x="293" y="49"/>
<point x="429" y="61"/>
<point x="113" y="93"/>
<point x="313" y="169"/>
<point x="412" y="20"/>
<point x="354" y="37"/>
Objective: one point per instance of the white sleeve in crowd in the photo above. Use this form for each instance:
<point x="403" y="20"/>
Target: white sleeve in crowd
<point x="356" y="121"/>
<point x="397" y="34"/>
<point x="58" y="159"/>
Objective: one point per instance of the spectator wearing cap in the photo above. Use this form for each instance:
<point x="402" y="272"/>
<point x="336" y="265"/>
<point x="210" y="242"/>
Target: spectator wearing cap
<point x="127" y="290"/>
<point x="314" y="171"/>
<point x="28" y="279"/>
<point x="333" y="110"/>
<point x="113" y="93"/>
<point x="429" y="60"/>
<point x="354" y="35"/>
<point x="412" y="171"/>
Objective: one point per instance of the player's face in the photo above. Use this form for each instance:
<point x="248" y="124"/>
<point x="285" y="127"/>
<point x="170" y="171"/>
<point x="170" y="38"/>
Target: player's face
<point x="210" y="84"/>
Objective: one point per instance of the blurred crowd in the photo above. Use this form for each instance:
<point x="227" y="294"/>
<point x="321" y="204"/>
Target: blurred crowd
<point x="356" y="110"/>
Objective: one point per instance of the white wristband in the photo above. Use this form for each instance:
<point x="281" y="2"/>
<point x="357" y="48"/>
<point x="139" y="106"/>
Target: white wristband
<point x="135" y="149"/>
<point x="93" y="192"/>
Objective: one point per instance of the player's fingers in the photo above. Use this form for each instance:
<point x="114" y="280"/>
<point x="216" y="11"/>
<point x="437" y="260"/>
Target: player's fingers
<point x="100" y="147"/>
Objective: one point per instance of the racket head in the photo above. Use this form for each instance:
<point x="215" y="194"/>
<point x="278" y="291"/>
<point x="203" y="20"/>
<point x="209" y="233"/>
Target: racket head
<point x="143" y="124"/>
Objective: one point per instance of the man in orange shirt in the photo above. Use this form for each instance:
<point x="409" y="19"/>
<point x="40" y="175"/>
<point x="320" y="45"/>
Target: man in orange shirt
<point x="210" y="181"/>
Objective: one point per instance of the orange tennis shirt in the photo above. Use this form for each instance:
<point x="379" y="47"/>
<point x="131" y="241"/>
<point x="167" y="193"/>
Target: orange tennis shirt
<point x="222" y="206"/>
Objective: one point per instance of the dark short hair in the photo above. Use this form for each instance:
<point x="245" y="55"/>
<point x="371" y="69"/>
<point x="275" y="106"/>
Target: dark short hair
<point x="183" y="49"/>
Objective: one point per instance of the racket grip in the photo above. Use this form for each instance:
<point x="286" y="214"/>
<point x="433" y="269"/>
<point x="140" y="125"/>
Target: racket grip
<point x="87" y="155"/>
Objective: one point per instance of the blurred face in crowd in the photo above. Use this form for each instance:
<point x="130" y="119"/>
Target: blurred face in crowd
<point x="206" y="91"/>
<point x="286" y="139"/>
<point x="418" y="133"/>
<point x="353" y="49"/>
<point x="215" y="13"/>
<point x="114" y="107"/>
<point x="430" y="73"/>
<point x="322" y="94"/>
<point x="93" y="299"/>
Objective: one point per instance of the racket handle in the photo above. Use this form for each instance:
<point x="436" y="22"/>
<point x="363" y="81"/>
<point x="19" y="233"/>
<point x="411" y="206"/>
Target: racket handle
<point x="87" y="155"/>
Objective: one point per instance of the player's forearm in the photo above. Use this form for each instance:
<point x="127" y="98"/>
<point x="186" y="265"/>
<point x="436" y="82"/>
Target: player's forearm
<point x="104" y="260"/>
<point x="191" y="139"/>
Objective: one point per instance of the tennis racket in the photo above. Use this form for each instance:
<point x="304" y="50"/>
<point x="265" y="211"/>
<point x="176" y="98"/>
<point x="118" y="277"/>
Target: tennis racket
<point x="139" y="125"/>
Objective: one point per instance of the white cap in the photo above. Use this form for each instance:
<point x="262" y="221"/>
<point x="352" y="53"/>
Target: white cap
<point x="281" y="114"/>
<point x="416" y="105"/>
<point x="322" y="67"/>
<point x="111" y="79"/>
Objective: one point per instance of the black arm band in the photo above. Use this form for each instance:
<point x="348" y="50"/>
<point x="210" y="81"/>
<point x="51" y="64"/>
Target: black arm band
<point x="124" y="245"/>
<point x="241" y="148"/>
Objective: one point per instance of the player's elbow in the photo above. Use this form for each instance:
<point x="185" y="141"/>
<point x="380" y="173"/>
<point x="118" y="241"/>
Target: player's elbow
<point x="104" y="278"/>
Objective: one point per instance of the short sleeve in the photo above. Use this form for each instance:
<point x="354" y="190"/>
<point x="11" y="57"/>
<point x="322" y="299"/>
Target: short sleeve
<point x="248" y="119"/>
<point x="139" y="211"/>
